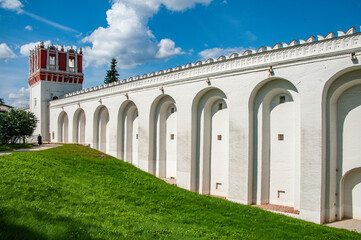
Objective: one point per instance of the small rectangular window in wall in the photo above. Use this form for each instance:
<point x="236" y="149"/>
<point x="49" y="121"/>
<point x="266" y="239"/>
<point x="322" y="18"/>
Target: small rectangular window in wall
<point x="281" y="137"/>
<point x="282" y="99"/>
<point x="172" y="110"/>
<point x="281" y="194"/>
<point x="53" y="135"/>
<point x="220" y="106"/>
<point x="172" y="137"/>
<point x="136" y="136"/>
<point x="219" y="137"/>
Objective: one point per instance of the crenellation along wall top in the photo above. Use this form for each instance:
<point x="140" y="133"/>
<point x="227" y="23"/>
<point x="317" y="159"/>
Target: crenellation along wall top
<point x="235" y="62"/>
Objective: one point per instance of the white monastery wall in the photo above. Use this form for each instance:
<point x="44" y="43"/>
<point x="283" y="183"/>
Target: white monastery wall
<point x="40" y="94"/>
<point x="276" y="125"/>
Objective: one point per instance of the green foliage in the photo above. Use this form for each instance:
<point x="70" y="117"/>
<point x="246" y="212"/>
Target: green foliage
<point x="112" y="74"/>
<point x="15" y="124"/>
<point x="2" y="101"/>
<point x="74" y="192"/>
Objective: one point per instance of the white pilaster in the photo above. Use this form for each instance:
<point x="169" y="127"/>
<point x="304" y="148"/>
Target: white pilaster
<point x="47" y="57"/>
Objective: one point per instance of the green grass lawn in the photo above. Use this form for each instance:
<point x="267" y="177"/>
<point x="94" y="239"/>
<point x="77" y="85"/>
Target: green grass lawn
<point x="74" y="192"/>
<point x="11" y="147"/>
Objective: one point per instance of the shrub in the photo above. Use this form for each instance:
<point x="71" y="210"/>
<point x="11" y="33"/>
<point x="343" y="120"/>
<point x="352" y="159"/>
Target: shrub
<point x="15" y="124"/>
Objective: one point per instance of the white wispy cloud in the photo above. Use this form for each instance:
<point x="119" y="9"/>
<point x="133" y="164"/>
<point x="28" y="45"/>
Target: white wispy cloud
<point x="16" y="5"/>
<point x="19" y="98"/>
<point x="11" y="4"/>
<point x="29" y="28"/>
<point x="180" y="5"/>
<point x="5" y="52"/>
<point x="51" y="23"/>
<point x="128" y="37"/>
<point x="217" y="52"/>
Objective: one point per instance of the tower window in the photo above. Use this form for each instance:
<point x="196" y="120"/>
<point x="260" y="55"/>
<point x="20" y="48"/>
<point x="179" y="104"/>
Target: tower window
<point x="71" y="65"/>
<point x="282" y="99"/>
<point x="172" y="110"/>
<point x="52" y="60"/>
<point x="281" y="137"/>
<point x="220" y="106"/>
<point x="219" y="137"/>
<point x="172" y="137"/>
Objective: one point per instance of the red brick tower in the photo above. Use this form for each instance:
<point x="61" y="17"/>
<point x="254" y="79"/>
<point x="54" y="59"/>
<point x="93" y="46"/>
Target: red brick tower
<point x="52" y="74"/>
<point x="51" y="64"/>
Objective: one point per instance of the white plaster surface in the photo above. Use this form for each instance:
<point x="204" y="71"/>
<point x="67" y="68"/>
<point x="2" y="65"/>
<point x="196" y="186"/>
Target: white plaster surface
<point x="282" y="152"/>
<point x="321" y="84"/>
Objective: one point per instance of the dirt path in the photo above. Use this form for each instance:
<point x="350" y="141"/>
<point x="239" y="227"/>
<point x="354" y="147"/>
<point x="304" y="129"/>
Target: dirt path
<point x="36" y="148"/>
<point x="349" y="224"/>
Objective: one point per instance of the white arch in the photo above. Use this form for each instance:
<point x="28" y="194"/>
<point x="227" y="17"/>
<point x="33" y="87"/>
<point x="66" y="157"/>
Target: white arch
<point x="350" y="194"/>
<point x="162" y="137"/>
<point x="100" y="128"/>
<point x="274" y="140"/>
<point x="63" y="127"/>
<point x="79" y="123"/>
<point x="210" y="143"/>
<point x="338" y="105"/>
<point x="128" y="132"/>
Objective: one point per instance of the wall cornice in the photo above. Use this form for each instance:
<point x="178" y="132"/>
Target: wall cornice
<point x="295" y="51"/>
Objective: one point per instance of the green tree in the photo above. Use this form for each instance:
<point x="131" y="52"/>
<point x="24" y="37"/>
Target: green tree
<point x="16" y="124"/>
<point x="2" y="102"/>
<point x="4" y="128"/>
<point x="112" y="74"/>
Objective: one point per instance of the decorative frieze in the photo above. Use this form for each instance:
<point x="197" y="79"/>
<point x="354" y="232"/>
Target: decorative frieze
<point x="264" y="56"/>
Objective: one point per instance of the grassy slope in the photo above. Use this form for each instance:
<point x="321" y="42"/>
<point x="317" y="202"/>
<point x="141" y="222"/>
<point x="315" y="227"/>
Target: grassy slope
<point x="10" y="147"/>
<point x="73" y="192"/>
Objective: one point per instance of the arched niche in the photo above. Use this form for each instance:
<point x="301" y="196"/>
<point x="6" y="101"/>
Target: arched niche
<point x="63" y="127"/>
<point x="210" y="143"/>
<point x="100" y="128"/>
<point x="342" y="116"/>
<point x="128" y="132"/>
<point x="274" y="140"/>
<point x="163" y="137"/>
<point x="79" y="123"/>
<point x="351" y="194"/>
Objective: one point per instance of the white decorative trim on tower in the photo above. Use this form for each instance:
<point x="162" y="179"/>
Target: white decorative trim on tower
<point x="57" y="60"/>
<point x="48" y="58"/>
<point x="67" y="61"/>
<point x="76" y="62"/>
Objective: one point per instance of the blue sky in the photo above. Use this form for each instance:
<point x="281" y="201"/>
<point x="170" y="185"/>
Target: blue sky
<point x="151" y="35"/>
